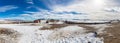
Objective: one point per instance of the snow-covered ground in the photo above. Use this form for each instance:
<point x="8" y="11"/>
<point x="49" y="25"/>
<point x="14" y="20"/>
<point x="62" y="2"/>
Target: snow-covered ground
<point x="69" y="34"/>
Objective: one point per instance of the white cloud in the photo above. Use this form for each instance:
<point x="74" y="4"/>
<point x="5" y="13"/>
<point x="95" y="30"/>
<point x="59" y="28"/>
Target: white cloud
<point x="91" y="9"/>
<point x="94" y="8"/>
<point x="30" y="1"/>
<point x="53" y="15"/>
<point x="113" y="9"/>
<point x="6" y="8"/>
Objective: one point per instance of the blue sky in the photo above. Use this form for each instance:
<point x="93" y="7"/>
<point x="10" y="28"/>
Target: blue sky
<point x="24" y="5"/>
<point x="59" y="9"/>
<point x="21" y="7"/>
<point x="14" y="8"/>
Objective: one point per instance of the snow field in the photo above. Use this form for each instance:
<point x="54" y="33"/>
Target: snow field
<point x="32" y="34"/>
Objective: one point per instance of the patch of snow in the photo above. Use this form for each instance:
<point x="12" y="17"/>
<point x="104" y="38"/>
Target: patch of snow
<point x="63" y="36"/>
<point x="28" y="32"/>
<point x="83" y="38"/>
<point x="32" y="34"/>
<point x="60" y="22"/>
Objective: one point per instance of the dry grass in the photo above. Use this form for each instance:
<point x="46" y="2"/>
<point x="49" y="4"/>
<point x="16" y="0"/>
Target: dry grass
<point x="113" y="34"/>
<point x="53" y="26"/>
<point x="6" y="31"/>
<point x="8" y="36"/>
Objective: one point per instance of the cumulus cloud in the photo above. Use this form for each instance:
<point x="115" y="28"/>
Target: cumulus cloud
<point x="6" y="8"/>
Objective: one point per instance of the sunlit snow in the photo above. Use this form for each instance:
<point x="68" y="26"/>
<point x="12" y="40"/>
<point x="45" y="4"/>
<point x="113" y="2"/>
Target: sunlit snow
<point x="32" y="34"/>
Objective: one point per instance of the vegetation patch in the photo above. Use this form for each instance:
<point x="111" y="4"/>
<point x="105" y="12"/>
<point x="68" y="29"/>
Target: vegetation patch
<point x="8" y="35"/>
<point x="113" y="34"/>
<point x="53" y="26"/>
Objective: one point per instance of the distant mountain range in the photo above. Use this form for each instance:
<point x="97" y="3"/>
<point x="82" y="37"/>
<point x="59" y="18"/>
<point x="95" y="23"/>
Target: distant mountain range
<point x="17" y="20"/>
<point x="12" y="20"/>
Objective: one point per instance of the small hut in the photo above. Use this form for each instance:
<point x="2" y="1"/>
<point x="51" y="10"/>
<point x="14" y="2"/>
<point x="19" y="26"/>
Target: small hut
<point x="37" y="21"/>
<point x="41" y="21"/>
